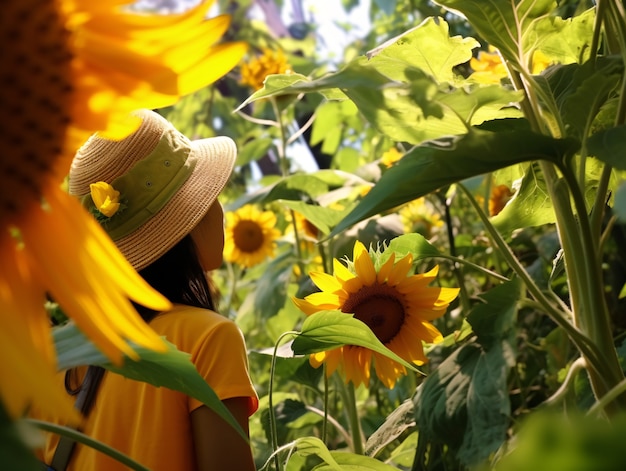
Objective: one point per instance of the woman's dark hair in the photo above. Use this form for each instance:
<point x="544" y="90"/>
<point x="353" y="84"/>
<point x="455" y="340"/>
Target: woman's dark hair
<point x="179" y="277"/>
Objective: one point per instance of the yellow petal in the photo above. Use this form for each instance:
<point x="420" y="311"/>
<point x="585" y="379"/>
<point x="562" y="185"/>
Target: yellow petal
<point x="325" y="282"/>
<point x="363" y="264"/>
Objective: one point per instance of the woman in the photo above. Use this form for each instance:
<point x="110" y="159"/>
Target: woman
<point x="155" y="193"/>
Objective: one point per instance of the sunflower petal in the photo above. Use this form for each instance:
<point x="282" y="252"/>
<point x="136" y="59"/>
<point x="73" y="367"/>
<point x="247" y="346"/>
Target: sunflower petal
<point x="363" y="264"/>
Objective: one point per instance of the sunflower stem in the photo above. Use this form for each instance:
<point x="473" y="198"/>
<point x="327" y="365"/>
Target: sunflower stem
<point x="282" y="148"/>
<point x="463" y="294"/>
<point x="353" y="418"/>
<point x="325" y="422"/>
<point x="270" y="401"/>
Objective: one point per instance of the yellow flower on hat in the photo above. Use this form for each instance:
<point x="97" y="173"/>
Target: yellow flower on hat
<point x="75" y="67"/>
<point x="250" y="236"/>
<point x="397" y="307"/>
<point x="105" y="197"/>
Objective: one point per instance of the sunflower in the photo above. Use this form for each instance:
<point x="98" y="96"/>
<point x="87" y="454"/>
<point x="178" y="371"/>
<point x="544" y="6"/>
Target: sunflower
<point x="488" y="67"/>
<point x="540" y="62"/>
<point x="270" y="62"/>
<point x="396" y="306"/>
<point x="306" y="228"/>
<point x="500" y="196"/>
<point x="417" y="216"/>
<point x="390" y="157"/>
<point x="75" y="67"/>
<point x="250" y="236"/>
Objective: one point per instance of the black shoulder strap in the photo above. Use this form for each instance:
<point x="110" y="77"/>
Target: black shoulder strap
<point x="84" y="401"/>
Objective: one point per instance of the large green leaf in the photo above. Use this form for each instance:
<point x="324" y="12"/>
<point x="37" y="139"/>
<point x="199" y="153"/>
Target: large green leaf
<point x="326" y="330"/>
<point x="322" y="218"/>
<point x="404" y="89"/>
<point x="481" y="103"/>
<point x="464" y="403"/>
<point x="505" y="24"/>
<point x="329" y="124"/>
<point x="353" y="462"/>
<point x="531" y="205"/>
<point x="427" y="47"/>
<point x="610" y="146"/>
<point x="434" y="165"/>
<point x="312" y="446"/>
<point x="579" y="91"/>
<point x="334" y="460"/>
<point x="171" y="369"/>
<point x="565" y="41"/>
<point x="294" y="187"/>
<point x="271" y="289"/>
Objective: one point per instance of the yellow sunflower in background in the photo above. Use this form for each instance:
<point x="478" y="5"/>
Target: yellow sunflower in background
<point x="500" y="196"/>
<point x="488" y="67"/>
<point x="74" y="67"/>
<point x="417" y="216"/>
<point x="270" y="62"/>
<point x="396" y="306"/>
<point x="540" y="62"/>
<point x="390" y="157"/>
<point x="250" y="236"/>
<point x="306" y="228"/>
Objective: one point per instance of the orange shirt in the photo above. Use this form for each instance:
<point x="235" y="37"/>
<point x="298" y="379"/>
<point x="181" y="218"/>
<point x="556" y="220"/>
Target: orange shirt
<point x="152" y="425"/>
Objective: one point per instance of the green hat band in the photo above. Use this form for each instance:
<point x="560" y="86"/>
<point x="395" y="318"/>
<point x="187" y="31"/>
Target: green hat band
<point x="147" y="187"/>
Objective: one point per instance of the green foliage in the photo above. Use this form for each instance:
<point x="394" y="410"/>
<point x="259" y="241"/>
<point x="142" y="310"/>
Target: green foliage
<point x="326" y="330"/>
<point x="551" y="441"/>
<point x="464" y="403"/>
<point x="434" y="165"/>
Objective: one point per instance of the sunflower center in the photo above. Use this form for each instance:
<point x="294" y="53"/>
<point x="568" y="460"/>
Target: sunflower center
<point x="35" y="93"/>
<point x="248" y="236"/>
<point x="380" y="307"/>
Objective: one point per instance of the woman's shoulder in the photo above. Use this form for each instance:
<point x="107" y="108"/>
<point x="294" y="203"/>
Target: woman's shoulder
<point x="189" y="328"/>
<point x="191" y="316"/>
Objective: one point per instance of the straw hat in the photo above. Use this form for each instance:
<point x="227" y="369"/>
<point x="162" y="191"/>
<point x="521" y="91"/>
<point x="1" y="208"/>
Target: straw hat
<point x="166" y="184"/>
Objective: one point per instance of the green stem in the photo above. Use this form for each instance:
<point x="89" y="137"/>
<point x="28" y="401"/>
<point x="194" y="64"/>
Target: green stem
<point x="325" y="422"/>
<point x="606" y="400"/>
<point x="593" y="313"/>
<point x="353" y="418"/>
<point x="463" y="294"/>
<point x="585" y="285"/>
<point x="296" y="236"/>
<point x="86" y="440"/>
<point x="270" y="401"/>
<point x="583" y="343"/>
<point x="282" y="148"/>
<point x="473" y="265"/>
<point x="568" y="383"/>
